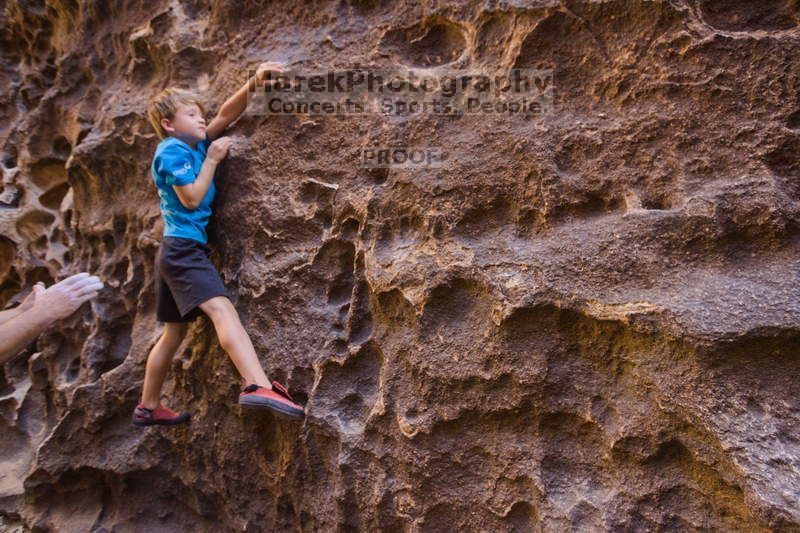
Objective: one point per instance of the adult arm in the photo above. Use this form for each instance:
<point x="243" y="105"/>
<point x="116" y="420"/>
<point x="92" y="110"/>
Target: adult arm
<point x="18" y="332"/>
<point x="26" y="304"/>
<point x="8" y="314"/>
<point x="57" y="302"/>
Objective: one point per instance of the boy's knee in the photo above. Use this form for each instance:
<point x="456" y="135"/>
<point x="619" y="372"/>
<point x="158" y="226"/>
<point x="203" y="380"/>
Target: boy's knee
<point x="174" y="332"/>
<point x="217" y="307"/>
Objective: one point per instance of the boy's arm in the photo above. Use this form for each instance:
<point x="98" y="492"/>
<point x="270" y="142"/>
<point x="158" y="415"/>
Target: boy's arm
<point x="192" y="194"/>
<point x="236" y="104"/>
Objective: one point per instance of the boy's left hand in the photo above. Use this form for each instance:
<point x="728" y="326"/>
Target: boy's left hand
<point x="268" y="68"/>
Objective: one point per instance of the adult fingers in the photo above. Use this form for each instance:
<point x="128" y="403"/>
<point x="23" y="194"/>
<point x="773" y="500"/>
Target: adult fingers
<point x="85" y="282"/>
<point x="73" y="279"/>
<point x="85" y="296"/>
<point x="92" y="287"/>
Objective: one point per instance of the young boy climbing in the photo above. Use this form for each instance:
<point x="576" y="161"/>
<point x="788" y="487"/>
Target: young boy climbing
<point x="187" y="284"/>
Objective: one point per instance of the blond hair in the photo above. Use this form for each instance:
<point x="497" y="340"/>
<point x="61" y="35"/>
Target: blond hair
<point x="165" y="104"/>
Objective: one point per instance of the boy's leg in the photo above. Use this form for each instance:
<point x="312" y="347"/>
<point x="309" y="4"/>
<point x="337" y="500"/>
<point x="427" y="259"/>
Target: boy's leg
<point x="159" y="360"/>
<point x="235" y="340"/>
<point x="259" y="392"/>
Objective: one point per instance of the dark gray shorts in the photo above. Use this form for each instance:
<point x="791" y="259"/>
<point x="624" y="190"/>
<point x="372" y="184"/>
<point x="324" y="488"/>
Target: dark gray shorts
<point x="185" y="278"/>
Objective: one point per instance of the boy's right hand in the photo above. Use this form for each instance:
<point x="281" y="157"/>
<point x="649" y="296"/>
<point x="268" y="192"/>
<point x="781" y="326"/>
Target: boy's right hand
<point x="219" y="149"/>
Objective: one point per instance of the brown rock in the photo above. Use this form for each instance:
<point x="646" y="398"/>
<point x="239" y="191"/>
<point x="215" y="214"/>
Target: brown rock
<point x="586" y="321"/>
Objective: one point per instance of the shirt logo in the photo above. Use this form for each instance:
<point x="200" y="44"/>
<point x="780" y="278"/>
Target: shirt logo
<point x="186" y="167"/>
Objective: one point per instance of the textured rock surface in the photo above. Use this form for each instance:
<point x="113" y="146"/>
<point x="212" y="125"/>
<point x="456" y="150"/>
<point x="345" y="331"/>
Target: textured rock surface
<point x="588" y="321"/>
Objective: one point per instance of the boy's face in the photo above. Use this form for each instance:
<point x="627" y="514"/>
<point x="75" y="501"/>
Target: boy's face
<point x="187" y="125"/>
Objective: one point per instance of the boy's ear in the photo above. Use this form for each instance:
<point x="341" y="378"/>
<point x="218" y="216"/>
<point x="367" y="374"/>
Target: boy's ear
<point x="167" y="125"/>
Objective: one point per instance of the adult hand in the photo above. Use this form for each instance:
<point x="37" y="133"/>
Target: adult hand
<point x="30" y="299"/>
<point x="42" y="307"/>
<point x="219" y="149"/>
<point x="65" y="297"/>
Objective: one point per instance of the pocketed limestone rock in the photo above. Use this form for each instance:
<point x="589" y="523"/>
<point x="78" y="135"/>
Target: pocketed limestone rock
<point x="584" y="321"/>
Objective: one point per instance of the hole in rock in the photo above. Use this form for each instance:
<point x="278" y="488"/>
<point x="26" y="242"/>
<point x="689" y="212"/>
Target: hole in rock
<point x="784" y="159"/>
<point x="656" y="202"/>
<point x="121" y="270"/>
<point x="110" y="350"/>
<point x="793" y="120"/>
<point x="378" y="175"/>
<point x="34" y="224"/>
<point x="750" y="15"/>
<point x="433" y="42"/>
<point x="72" y="371"/>
<point x="340" y="293"/>
<point x="349" y="229"/>
<point x="48" y="172"/>
<point x="339" y="346"/>
<point x="39" y="245"/>
<point x="521" y="517"/>
<point x="61" y="147"/>
<point x="10" y="197"/>
<point x="10" y="157"/>
<point x="52" y="198"/>
<point x="37" y="274"/>
<point x="82" y="135"/>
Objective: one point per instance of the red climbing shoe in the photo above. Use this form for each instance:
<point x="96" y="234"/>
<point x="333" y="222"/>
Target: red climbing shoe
<point x="160" y="416"/>
<point x="277" y="399"/>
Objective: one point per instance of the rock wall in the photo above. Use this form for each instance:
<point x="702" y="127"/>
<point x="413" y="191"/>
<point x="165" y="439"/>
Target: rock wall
<point x="587" y="321"/>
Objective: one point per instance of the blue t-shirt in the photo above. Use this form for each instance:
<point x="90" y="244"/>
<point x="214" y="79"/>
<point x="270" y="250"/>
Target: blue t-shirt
<point x="176" y="163"/>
